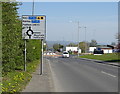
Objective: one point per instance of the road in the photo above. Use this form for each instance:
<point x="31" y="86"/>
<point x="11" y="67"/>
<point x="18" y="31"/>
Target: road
<point x="77" y="75"/>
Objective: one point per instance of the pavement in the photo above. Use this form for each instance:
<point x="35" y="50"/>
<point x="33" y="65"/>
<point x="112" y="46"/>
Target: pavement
<point x="40" y="83"/>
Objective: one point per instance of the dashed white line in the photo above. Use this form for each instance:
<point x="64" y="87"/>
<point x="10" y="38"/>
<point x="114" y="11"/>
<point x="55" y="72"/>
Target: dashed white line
<point x="108" y="74"/>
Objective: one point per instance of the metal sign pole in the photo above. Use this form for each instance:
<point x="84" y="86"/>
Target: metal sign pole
<point x="41" y="59"/>
<point x="25" y="57"/>
<point x="33" y="8"/>
<point x="78" y="38"/>
<point x="31" y="32"/>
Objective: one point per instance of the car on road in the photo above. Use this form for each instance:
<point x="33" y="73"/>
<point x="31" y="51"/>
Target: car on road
<point x="65" y="54"/>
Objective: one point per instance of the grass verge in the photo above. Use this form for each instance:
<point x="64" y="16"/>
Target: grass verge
<point x="105" y="57"/>
<point x="16" y="81"/>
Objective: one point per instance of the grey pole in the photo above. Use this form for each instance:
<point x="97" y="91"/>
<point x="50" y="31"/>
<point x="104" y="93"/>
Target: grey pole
<point x="85" y="40"/>
<point x="41" y="59"/>
<point x="33" y="8"/>
<point x="78" y="38"/>
<point x="25" y="57"/>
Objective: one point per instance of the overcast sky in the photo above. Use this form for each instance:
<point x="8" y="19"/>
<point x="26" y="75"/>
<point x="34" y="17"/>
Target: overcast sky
<point x="100" y="18"/>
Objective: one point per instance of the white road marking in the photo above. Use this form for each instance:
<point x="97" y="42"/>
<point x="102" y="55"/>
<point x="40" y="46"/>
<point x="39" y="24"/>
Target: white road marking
<point x="102" y="63"/>
<point x="57" y="87"/>
<point x="108" y="74"/>
<point x="55" y="57"/>
<point x="107" y="65"/>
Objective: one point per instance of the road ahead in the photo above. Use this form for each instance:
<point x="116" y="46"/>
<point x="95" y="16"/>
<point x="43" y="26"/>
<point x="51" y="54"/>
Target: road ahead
<point x="77" y="75"/>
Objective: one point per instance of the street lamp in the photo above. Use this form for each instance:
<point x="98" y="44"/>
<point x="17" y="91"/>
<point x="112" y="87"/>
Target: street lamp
<point x="85" y="40"/>
<point x="78" y="35"/>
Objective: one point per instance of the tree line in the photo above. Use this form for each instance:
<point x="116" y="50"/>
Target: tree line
<point x="58" y="47"/>
<point x="83" y="45"/>
<point x="12" y="42"/>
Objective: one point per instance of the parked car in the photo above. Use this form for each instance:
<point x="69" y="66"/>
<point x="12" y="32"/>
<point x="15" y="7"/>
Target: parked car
<point x="98" y="52"/>
<point x="65" y="54"/>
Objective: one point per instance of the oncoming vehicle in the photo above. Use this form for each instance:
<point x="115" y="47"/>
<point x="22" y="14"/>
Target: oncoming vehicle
<point x="65" y="54"/>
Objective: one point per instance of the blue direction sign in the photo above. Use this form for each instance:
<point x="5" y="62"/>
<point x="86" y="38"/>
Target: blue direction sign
<point x="35" y="21"/>
<point x="32" y="17"/>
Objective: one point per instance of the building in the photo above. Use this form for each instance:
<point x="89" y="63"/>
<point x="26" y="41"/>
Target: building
<point x="106" y="49"/>
<point x="91" y="49"/>
<point x="73" y="49"/>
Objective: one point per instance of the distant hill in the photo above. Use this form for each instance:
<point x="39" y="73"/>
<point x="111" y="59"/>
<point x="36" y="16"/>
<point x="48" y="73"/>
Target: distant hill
<point x="50" y="43"/>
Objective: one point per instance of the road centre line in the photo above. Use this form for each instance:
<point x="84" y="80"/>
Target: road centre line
<point x="108" y="74"/>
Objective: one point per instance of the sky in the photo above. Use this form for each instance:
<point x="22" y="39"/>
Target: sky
<point x="99" y="18"/>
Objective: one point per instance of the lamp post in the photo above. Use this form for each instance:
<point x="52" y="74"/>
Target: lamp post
<point x="78" y="38"/>
<point x="85" y="40"/>
<point x="78" y="35"/>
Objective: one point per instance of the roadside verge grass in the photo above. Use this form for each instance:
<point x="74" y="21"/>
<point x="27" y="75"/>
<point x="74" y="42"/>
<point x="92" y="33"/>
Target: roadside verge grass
<point x="105" y="57"/>
<point x="16" y="81"/>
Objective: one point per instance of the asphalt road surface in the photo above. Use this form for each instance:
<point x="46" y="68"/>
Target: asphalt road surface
<point x="77" y="75"/>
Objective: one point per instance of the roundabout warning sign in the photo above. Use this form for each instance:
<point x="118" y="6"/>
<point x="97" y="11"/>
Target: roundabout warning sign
<point x="33" y="27"/>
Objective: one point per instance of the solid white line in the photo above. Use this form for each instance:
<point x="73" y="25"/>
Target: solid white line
<point x="108" y="74"/>
<point x="107" y="65"/>
<point x="49" y="64"/>
<point x="103" y="63"/>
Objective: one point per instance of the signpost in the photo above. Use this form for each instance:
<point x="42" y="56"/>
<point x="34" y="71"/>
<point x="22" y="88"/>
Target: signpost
<point x="34" y="27"/>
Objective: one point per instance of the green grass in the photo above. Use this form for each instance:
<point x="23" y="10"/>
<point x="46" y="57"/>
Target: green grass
<point x="16" y="81"/>
<point x="105" y="57"/>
